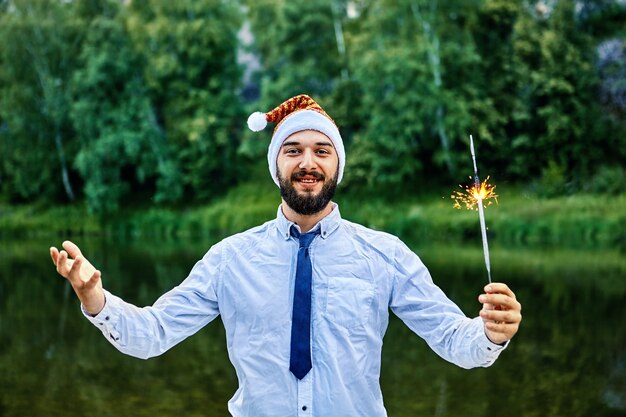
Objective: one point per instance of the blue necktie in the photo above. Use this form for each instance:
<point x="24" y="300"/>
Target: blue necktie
<point x="300" y="360"/>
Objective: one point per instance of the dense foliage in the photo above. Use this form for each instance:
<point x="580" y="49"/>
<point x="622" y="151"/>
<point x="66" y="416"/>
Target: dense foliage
<point x="144" y="101"/>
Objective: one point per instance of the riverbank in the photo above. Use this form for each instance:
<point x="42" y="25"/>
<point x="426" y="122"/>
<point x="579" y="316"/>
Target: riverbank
<point x="518" y="218"/>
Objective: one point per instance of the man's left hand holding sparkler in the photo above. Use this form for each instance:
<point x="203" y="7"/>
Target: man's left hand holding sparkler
<point x="501" y="312"/>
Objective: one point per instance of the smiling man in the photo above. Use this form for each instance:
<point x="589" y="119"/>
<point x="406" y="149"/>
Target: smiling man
<point x="304" y="298"/>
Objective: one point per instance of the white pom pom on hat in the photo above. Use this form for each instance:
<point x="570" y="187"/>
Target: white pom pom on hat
<point x="257" y="121"/>
<point x="295" y="115"/>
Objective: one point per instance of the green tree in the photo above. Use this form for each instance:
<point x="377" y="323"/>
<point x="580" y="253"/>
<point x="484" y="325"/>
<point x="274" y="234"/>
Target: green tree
<point x="189" y="52"/>
<point x="559" y="125"/>
<point x="539" y="71"/>
<point x="413" y="61"/>
<point x="602" y="18"/>
<point x="495" y="77"/>
<point x="297" y="43"/>
<point x="123" y="151"/>
<point x="40" y="42"/>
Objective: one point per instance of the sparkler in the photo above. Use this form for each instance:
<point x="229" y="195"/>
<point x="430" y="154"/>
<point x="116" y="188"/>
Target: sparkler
<point x="476" y="195"/>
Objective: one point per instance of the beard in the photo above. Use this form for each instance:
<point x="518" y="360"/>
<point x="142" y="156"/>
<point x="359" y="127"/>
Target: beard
<point x="306" y="203"/>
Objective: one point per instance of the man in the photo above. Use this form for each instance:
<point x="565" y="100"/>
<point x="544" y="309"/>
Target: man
<point x="304" y="298"/>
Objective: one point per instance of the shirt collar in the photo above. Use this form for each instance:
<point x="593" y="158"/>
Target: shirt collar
<point x="327" y="225"/>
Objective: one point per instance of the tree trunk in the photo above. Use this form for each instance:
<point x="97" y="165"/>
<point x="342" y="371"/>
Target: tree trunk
<point x="52" y="101"/>
<point x="64" y="171"/>
<point x="432" y="48"/>
<point x="341" y="45"/>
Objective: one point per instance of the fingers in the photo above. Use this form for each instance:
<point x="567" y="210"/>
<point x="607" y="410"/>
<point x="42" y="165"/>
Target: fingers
<point x="62" y="263"/>
<point x="74" y="272"/>
<point x="500" y="332"/>
<point x="499" y="296"/>
<point x="501" y="312"/>
<point x="54" y="254"/>
<point x="499" y="288"/>
<point x="93" y="281"/>
<point x="501" y="316"/>
<point x="499" y="301"/>
<point x="71" y="249"/>
<point x="77" y="272"/>
<point x="80" y="272"/>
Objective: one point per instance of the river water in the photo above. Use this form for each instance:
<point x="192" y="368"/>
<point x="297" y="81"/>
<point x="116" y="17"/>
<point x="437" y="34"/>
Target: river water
<point x="568" y="359"/>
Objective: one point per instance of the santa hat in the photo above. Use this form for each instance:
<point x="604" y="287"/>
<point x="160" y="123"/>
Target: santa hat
<point x="295" y="115"/>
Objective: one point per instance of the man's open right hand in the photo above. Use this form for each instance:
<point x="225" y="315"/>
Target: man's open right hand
<point x="84" y="278"/>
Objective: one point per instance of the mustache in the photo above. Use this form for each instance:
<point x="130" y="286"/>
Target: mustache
<point x="303" y="173"/>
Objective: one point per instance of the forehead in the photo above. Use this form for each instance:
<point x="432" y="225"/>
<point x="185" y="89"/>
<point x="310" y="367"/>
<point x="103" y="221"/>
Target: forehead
<point x="308" y="138"/>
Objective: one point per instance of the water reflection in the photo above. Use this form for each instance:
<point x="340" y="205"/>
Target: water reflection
<point x="569" y="358"/>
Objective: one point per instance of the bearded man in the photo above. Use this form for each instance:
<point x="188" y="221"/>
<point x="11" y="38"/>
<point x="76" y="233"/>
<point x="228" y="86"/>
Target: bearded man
<point x="304" y="298"/>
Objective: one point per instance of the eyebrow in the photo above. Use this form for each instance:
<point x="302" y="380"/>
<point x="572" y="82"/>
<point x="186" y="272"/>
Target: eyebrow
<point x="296" y="143"/>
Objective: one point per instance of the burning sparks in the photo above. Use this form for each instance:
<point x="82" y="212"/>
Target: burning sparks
<point x="472" y="195"/>
<point x="475" y="196"/>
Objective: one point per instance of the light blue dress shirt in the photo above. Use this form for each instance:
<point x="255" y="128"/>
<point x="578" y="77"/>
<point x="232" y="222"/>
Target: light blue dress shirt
<point x="358" y="276"/>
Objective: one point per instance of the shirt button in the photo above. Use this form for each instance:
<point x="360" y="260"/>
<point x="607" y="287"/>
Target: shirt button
<point x="107" y="318"/>
<point x="304" y="408"/>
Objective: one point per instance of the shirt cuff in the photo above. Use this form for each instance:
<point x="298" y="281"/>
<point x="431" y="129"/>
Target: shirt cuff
<point x="489" y="350"/>
<point x="488" y="345"/>
<point x="106" y="319"/>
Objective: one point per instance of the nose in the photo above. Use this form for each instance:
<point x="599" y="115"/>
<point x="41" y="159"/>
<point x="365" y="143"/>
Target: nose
<point x="308" y="160"/>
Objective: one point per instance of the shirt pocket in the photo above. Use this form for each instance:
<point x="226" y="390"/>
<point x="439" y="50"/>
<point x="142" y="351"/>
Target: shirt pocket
<point x="349" y="300"/>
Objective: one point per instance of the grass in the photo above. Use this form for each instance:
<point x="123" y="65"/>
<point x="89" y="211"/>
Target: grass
<point x="39" y="220"/>
<point x="519" y="218"/>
